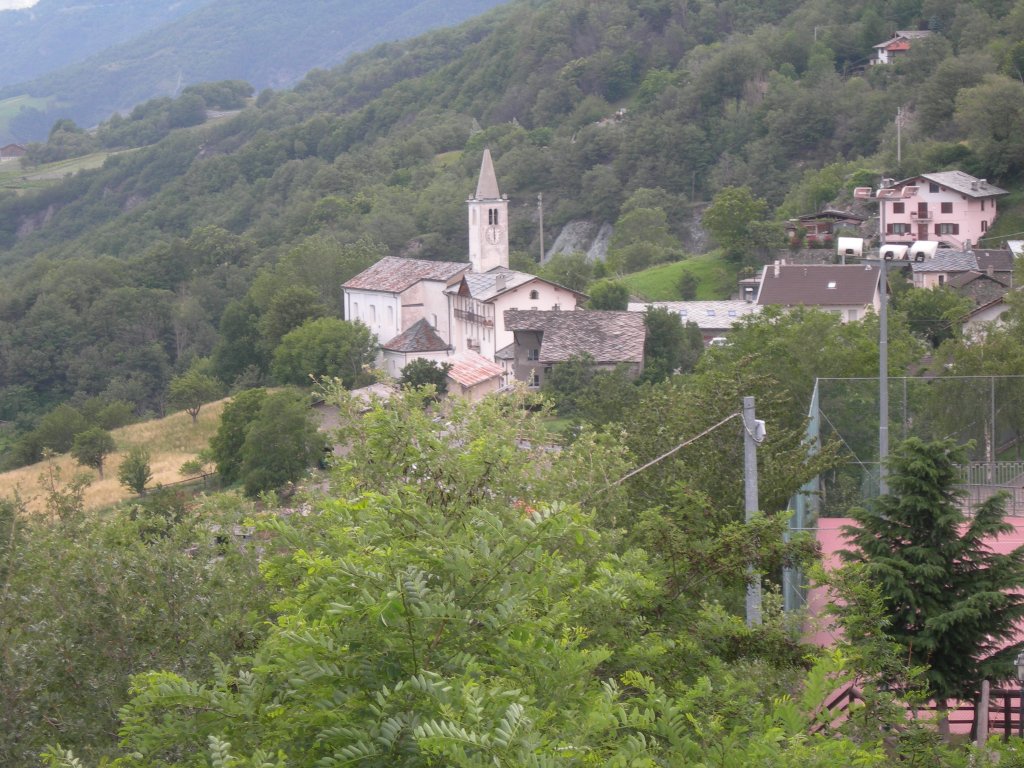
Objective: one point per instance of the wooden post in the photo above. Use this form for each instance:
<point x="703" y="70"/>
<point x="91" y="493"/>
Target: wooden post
<point x="981" y="714"/>
<point x="1006" y="715"/>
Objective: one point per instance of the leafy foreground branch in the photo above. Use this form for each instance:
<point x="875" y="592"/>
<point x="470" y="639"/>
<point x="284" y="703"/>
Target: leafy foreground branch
<point x="465" y="598"/>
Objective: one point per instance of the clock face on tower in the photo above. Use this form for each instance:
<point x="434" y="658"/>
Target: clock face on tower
<point x="493" y="234"/>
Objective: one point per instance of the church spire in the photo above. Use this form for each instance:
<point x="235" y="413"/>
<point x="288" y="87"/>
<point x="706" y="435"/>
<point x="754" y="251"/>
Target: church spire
<point x="487" y="185"/>
<point x="488" y="221"/>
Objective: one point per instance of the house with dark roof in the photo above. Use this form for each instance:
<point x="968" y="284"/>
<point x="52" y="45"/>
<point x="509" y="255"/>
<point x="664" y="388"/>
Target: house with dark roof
<point x="944" y="265"/>
<point x="479" y="302"/>
<point x="818" y="229"/>
<point x="950" y="207"/>
<point x="545" y="338"/>
<point x="418" y="341"/>
<point x="850" y="291"/>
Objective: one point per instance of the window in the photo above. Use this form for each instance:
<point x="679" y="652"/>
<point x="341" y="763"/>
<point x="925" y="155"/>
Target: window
<point x="535" y="381"/>
<point x="355" y="310"/>
<point x="984" y="226"/>
<point x="983" y="204"/>
<point x="942" y="279"/>
<point x="492" y="216"/>
<point x="711" y="313"/>
<point x="832" y="284"/>
<point x="373" y="313"/>
<point x="933" y="187"/>
<point x="897" y="229"/>
<point x="534" y="294"/>
<point x="391" y="315"/>
<point x="533" y="354"/>
<point x="947" y="229"/>
<point x="899" y="207"/>
<point x="947" y="207"/>
<point x="732" y="313"/>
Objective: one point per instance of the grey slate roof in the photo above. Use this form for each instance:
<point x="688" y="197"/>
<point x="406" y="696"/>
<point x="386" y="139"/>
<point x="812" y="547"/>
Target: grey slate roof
<point x="961" y="182"/>
<point x="608" y="337"/>
<point x="485" y="286"/>
<point x="961" y="279"/>
<point x="419" y="337"/>
<point x="998" y="259"/>
<point x="946" y="260"/>
<point x="711" y="315"/>
<point x="816" y="285"/>
<point x="487" y="184"/>
<point x="393" y="274"/>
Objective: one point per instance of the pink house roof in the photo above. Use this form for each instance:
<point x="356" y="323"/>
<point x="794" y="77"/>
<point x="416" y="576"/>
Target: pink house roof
<point x="470" y="369"/>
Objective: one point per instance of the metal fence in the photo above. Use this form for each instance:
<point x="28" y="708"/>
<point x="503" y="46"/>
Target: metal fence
<point x="986" y="413"/>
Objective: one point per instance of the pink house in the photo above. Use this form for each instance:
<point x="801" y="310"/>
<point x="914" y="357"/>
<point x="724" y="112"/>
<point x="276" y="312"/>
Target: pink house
<point x="951" y="207"/>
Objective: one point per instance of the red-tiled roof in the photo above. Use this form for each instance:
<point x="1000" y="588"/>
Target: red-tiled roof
<point x="470" y="369"/>
<point x="394" y="274"/>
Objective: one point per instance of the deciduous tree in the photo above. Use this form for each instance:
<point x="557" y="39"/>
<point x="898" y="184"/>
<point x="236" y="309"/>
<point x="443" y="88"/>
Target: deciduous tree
<point x="91" y="448"/>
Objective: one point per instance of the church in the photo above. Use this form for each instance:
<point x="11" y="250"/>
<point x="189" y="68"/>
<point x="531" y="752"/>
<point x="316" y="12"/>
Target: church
<point x="450" y="311"/>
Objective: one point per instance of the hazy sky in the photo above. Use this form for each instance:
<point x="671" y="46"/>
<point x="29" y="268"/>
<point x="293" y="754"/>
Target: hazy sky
<point x="7" y="5"/>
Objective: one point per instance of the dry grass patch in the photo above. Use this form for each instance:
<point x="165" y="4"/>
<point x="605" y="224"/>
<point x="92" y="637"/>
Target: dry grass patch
<point x="171" y="441"/>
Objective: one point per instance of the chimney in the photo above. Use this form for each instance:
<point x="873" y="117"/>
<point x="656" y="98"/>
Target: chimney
<point x="983" y="183"/>
<point x="499" y="283"/>
<point x="990" y="270"/>
<point x="775" y="269"/>
<point x="974" y="185"/>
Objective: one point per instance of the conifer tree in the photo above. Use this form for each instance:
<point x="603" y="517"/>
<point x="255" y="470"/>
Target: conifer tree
<point x="951" y="598"/>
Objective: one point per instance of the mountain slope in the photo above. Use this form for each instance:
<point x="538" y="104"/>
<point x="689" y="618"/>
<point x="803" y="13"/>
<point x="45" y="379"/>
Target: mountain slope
<point x="267" y="43"/>
<point x="57" y="33"/>
<point x="203" y="244"/>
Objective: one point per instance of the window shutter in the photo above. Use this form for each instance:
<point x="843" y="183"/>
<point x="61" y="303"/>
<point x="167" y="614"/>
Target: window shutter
<point x="956" y="229"/>
<point x="938" y="229"/>
<point x="888" y="229"/>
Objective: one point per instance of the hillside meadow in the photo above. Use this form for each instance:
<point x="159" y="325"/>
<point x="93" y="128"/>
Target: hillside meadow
<point x="171" y="441"/>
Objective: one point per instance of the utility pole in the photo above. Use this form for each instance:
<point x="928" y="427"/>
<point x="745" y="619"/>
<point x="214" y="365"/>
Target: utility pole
<point x="753" y="433"/>
<point x="540" y="214"/>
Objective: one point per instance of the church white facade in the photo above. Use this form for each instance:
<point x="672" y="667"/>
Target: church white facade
<point x="462" y="303"/>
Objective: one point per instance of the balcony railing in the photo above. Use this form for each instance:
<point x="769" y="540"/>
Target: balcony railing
<point x="917" y="216"/>
<point x="473" y="317"/>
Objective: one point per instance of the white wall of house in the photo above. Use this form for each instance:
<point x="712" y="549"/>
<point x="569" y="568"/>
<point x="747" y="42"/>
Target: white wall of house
<point x="489" y="335"/>
<point x="380" y="311"/>
<point x="426" y="300"/>
<point x="394" y="362"/>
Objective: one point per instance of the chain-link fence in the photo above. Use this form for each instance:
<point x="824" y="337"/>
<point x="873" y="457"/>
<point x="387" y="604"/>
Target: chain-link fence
<point x="984" y="412"/>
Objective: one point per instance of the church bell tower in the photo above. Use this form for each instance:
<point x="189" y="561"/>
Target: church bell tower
<point x="488" y="221"/>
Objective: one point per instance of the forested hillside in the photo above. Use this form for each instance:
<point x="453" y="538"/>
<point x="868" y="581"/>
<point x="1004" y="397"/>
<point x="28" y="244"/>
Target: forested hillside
<point x="55" y="33"/>
<point x="214" y="242"/>
<point x="110" y="57"/>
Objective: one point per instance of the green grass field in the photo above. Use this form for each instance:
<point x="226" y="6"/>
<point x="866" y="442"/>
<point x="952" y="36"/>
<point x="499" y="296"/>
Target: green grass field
<point x="13" y="176"/>
<point x="1009" y="224"/>
<point x="716" y="279"/>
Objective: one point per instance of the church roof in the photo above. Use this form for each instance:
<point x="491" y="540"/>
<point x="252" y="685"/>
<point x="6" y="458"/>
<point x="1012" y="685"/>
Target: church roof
<point x="393" y="274"/>
<point x="419" y="337"/>
<point x="487" y="185"/>
<point x="608" y="337"/>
